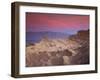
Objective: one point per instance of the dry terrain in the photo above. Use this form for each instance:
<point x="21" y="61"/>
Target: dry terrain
<point x="52" y="52"/>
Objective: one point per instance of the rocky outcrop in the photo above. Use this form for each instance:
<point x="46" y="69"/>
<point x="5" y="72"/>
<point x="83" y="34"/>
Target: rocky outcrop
<point x="52" y="52"/>
<point x="82" y="57"/>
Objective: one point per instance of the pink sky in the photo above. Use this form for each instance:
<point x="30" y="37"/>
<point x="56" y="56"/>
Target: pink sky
<point x="56" y="22"/>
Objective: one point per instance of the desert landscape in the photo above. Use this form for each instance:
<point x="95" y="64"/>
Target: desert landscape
<point x="68" y="50"/>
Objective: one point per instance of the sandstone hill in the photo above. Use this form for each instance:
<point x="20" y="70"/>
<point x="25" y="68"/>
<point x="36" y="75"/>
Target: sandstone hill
<point x="53" y="52"/>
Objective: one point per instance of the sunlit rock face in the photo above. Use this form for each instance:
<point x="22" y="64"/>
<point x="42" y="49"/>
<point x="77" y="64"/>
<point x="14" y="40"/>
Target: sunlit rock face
<point x="53" y="52"/>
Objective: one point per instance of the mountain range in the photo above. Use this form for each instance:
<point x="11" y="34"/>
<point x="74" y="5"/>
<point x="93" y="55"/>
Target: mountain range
<point x="32" y="37"/>
<point x="52" y="52"/>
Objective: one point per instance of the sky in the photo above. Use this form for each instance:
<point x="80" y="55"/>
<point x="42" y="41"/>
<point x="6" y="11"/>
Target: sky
<point x="66" y="23"/>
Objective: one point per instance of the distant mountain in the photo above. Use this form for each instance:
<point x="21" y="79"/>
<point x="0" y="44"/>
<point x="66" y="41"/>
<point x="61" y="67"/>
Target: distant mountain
<point x="32" y="37"/>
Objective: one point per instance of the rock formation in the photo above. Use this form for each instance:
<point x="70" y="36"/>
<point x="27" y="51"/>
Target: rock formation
<point x="53" y="52"/>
